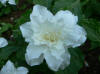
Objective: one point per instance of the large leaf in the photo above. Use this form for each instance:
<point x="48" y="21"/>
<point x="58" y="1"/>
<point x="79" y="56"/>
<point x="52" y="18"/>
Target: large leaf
<point x="72" y="5"/>
<point x="77" y="60"/>
<point x="92" y="28"/>
<point x="46" y="3"/>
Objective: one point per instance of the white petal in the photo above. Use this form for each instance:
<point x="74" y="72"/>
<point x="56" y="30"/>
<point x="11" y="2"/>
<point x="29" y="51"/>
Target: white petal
<point x="75" y="36"/>
<point x="22" y="70"/>
<point x="8" y="68"/>
<point x="3" y="42"/>
<point x="53" y="62"/>
<point x="12" y="2"/>
<point x="34" y="54"/>
<point x="66" y="60"/>
<point x="59" y="48"/>
<point x="66" y="17"/>
<point x="26" y="31"/>
<point x="3" y="1"/>
<point x="40" y="14"/>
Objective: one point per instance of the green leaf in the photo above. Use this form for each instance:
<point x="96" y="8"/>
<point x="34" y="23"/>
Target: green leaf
<point x="77" y="60"/>
<point x="92" y="28"/>
<point x="72" y="5"/>
<point x="8" y="50"/>
<point x="5" y="27"/>
<point x="24" y="18"/>
<point x="46" y="3"/>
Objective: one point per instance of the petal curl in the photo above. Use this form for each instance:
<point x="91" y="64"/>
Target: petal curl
<point x="34" y="54"/>
<point x="3" y="42"/>
<point x="8" y="68"/>
<point x="66" y="60"/>
<point x="12" y="2"/>
<point x="52" y="61"/>
<point x="40" y="14"/>
<point x="74" y="36"/>
<point x="3" y="2"/>
<point x="22" y="70"/>
<point x="27" y="31"/>
<point x="66" y="17"/>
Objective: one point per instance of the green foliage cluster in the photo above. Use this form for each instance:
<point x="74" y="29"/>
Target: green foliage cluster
<point x="88" y="12"/>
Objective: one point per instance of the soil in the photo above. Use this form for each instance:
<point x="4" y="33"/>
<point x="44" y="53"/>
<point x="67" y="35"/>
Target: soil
<point x="92" y="61"/>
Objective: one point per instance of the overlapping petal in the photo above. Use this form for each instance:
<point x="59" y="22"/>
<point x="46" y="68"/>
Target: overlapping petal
<point x="12" y="2"/>
<point x="27" y="31"/>
<point x="66" y="18"/>
<point x="34" y="54"/>
<point x="10" y="69"/>
<point x="74" y="36"/>
<point x="22" y="70"/>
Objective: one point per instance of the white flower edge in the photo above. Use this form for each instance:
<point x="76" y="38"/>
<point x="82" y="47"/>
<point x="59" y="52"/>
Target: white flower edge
<point x="3" y="42"/>
<point x="59" y="57"/>
<point x="10" y="69"/>
<point x="12" y="2"/>
<point x="3" y="1"/>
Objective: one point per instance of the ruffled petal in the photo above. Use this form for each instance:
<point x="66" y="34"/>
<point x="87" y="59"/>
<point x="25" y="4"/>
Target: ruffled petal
<point x="22" y="70"/>
<point x="12" y="2"/>
<point x="52" y="61"/>
<point x="3" y="2"/>
<point x="58" y="48"/>
<point x="27" y="31"/>
<point x="66" y="17"/>
<point x="8" y="68"/>
<point x="66" y="60"/>
<point x="34" y="54"/>
<point x="3" y="42"/>
<point x="74" y="36"/>
<point x="40" y="14"/>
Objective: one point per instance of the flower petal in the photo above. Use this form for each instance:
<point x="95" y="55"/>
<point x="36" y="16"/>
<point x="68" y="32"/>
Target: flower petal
<point x="34" y="54"/>
<point x="22" y="70"/>
<point x="59" y="48"/>
<point x="75" y="36"/>
<point x="8" y="68"/>
<point x="12" y="2"/>
<point x="40" y="14"/>
<point x="3" y="42"/>
<point x="3" y="2"/>
<point x="66" y="17"/>
<point x="53" y="62"/>
<point x="66" y="60"/>
<point x="26" y="31"/>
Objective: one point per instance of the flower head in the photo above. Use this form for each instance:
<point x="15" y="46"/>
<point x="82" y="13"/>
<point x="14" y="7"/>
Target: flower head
<point x="50" y="36"/>
<point x="12" y="2"/>
<point x="3" y="42"/>
<point x="10" y="69"/>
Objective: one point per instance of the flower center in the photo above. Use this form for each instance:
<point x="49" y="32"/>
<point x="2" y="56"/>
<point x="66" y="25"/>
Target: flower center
<point x="51" y="36"/>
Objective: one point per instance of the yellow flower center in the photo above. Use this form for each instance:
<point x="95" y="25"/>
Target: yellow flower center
<point x="51" y="36"/>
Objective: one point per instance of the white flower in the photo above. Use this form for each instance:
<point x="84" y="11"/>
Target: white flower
<point x="50" y="37"/>
<point x="3" y="1"/>
<point x="10" y="69"/>
<point x="12" y="2"/>
<point x="3" y="42"/>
